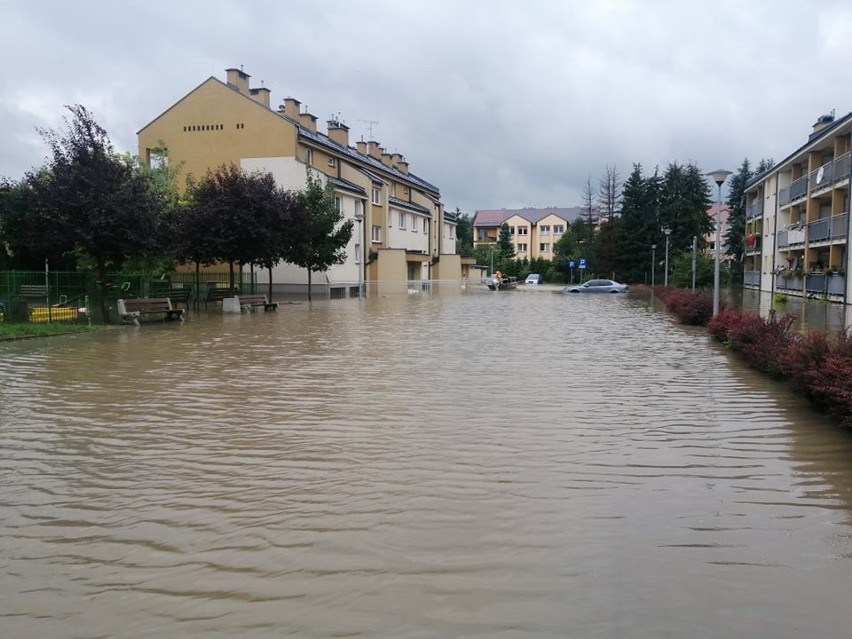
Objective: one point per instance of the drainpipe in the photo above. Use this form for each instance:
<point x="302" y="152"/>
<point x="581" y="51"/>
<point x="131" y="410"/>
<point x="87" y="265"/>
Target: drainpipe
<point x="774" y="241"/>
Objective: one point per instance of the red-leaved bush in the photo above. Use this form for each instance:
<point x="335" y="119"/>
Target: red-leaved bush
<point x="694" y="308"/>
<point x="761" y="341"/>
<point x="719" y="326"/>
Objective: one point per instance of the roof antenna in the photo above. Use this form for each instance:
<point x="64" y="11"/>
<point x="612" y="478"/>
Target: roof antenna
<point x="370" y="124"/>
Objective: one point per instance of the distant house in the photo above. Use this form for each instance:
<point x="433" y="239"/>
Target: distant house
<point x="710" y="238"/>
<point x="534" y="231"/>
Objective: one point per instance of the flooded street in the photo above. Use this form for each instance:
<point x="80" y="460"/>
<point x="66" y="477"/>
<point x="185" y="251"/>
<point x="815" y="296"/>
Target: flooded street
<point x="520" y="464"/>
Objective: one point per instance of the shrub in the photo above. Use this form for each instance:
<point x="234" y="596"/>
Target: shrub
<point x="762" y="342"/>
<point x="694" y="308"/>
<point x="719" y="326"/>
<point x="803" y="361"/>
<point x="831" y="386"/>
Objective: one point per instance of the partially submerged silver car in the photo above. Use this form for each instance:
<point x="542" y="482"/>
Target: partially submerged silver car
<point x="597" y="286"/>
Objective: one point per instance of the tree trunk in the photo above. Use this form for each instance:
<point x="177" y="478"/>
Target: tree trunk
<point x="309" y="285"/>
<point x="269" y="292"/>
<point x="231" y="274"/>
<point x="197" y="282"/>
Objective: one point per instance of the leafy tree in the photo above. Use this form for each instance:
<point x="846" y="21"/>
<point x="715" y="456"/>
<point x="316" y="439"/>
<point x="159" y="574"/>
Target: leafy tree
<point x="736" y="218"/>
<point x="484" y="253"/>
<point x="567" y="248"/>
<point x="505" y="246"/>
<point x="94" y="203"/>
<point x="232" y="219"/>
<point x="318" y="237"/>
<point x="464" y="234"/>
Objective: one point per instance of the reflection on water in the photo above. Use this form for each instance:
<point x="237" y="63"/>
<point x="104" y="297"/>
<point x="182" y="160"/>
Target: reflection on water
<point x="810" y="314"/>
<point x="518" y="464"/>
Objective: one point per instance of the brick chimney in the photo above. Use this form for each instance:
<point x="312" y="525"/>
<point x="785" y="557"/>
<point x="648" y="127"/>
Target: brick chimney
<point x="374" y="150"/>
<point x="387" y="159"/>
<point x="361" y="146"/>
<point x="338" y="132"/>
<point x="402" y="165"/>
<point x="291" y="108"/>
<point x="238" y="80"/>
<point x="308" y="121"/>
<point x="260" y="95"/>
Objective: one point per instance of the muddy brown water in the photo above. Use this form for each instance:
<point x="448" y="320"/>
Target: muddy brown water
<point x="478" y="465"/>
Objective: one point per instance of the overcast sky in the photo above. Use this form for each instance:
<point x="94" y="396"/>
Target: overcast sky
<point x="499" y="104"/>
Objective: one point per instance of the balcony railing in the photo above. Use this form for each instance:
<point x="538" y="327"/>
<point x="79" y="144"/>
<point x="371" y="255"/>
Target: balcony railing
<point x="784" y="196"/>
<point x="819" y="231"/>
<point x="755" y="209"/>
<point x="822" y="177"/>
<point x="783" y="239"/>
<point x="799" y="188"/>
<point x="839" y="226"/>
<point x="751" y="278"/>
<point x="841" y="168"/>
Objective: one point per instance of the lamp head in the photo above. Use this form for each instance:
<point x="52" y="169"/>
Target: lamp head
<point x="719" y="176"/>
<point x="666" y="230"/>
<point x="359" y="216"/>
<point x="653" y="247"/>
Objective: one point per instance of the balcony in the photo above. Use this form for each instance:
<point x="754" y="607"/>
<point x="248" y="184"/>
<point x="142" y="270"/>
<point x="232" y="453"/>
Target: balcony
<point x="755" y="209"/>
<point x="819" y="231"/>
<point x="751" y="278"/>
<point x="799" y="189"/>
<point x="839" y="226"/>
<point x="822" y="177"/>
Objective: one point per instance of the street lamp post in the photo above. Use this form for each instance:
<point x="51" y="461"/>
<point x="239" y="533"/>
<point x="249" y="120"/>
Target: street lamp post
<point x="359" y="217"/>
<point x="668" y="232"/>
<point x="694" y="249"/>
<point x="653" y="263"/>
<point x="719" y="176"/>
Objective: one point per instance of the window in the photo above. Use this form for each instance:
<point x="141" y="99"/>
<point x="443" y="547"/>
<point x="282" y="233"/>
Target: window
<point x="402" y="217"/>
<point x="376" y="234"/>
<point x="309" y="156"/>
<point x="523" y="230"/>
<point x="376" y="197"/>
<point x="545" y="230"/>
<point x="522" y="248"/>
<point x="425" y="226"/>
<point x="452" y="232"/>
<point x="338" y="205"/>
<point x="157" y="159"/>
<point x="558" y="229"/>
<point x="332" y="162"/>
<point x="544" y="247"/>
<point x="483" y="235"/>
<point x="393" y="189"/>
<point x="511" y="230"/>
<point x="357" y="253"/>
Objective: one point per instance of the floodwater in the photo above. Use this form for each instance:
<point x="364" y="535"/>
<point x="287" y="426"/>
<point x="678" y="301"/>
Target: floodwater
<point x="481" y="465"/>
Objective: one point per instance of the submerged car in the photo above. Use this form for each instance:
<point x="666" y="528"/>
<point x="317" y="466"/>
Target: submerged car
<point x="597" y="286"/>
<point x="533" y="278"/>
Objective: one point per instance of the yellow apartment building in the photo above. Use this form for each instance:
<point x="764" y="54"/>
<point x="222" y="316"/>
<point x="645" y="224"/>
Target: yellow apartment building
<point x="534" y="231"/>
<point x="797" y="218"/>
<point x="403" y="236"/>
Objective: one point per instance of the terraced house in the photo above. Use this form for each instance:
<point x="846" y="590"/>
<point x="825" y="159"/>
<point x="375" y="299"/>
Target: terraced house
<point x="402" y="237"/>
<point x="797" y="217"/>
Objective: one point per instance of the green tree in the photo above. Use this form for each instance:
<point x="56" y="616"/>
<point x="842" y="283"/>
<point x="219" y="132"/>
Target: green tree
<point x="233" y="221"/>
<point x="639" y="227"/>
<point x="97" y="205"/>
<point x="317" y="237"/>
<point x="505" y="246"/>
<point x="684" y="202"/>
<point x="736" y="219"/>
<point x="567" y="248"/>
<point x="464" y="234"/>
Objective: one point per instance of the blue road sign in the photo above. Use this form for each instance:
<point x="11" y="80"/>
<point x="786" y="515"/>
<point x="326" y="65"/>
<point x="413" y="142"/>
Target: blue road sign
<point x="582" y="262"/>
<point x="570" y="263"/>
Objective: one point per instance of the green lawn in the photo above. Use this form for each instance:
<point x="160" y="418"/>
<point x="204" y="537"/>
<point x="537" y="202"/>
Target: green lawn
<point x="10" y="330"/>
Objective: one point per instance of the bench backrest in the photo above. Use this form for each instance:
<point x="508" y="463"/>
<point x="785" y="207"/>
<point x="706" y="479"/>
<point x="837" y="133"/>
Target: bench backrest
<point x="253" y="298"/>
<point x="216" y="293"/>
<point x="32" y="290"/>
<point x="148" y="304"/>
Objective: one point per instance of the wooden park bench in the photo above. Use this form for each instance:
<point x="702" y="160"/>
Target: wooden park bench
<point x="135" y="309"/>
<point x="216" y="294"/>
<point x="176" y="295"/>
<point x="252" y="301"/>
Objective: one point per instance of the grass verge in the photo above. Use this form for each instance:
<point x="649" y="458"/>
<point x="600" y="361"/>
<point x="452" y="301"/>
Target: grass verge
<point x="10" y="330"/>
